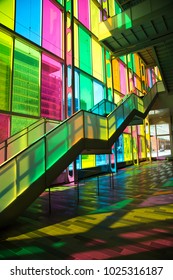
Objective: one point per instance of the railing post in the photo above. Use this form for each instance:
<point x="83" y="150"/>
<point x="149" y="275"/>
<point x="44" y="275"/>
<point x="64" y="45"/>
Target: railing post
<point x="5" y="154"/>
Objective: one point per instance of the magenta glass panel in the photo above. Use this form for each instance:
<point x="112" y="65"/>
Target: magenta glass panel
<point x="83" y="12"/>
<point x="4" y="127"/>
<point x="51" y="88"/>
<point x="123" y="80"/>
<point x="52" y="28"/>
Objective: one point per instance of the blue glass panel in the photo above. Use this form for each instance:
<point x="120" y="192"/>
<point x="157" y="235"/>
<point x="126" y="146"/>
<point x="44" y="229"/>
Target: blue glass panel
<point x="98" y="92"/>
<point x="28" y="19"/>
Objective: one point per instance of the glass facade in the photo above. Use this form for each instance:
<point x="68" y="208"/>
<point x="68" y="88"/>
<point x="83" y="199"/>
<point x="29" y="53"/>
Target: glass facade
<point x="52" y="65"/>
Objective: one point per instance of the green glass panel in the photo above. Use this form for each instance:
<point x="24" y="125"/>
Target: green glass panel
<point x="110" y="95"/>
<point x="7" y="13"/>
<point x="86" y="96"/>
<point x="85" y="58"/>
<point x="62" y="1"/>
<point x="117" y="8"/>
<point x="133" y="63"/>
<point x="5" y="70"/>
<point x="26" y="80"/>
<point x="19" y="123"/>
<point x="129" y="61"/>
<point x="123" y="58"/>
<point x="57" y="145"/>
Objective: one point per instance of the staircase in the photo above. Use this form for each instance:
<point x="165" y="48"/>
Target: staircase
<point x="26" y="174"/>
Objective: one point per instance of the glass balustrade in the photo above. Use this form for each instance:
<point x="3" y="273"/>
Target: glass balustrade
<point x="43" y="148"/>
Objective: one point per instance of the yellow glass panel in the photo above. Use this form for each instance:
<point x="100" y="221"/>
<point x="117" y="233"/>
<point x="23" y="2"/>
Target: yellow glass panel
<point x="97" y="60"/>
<point x="75" y="9"/>
<point x="88" y="161"/>
<point x="127" y="147"/>
<point x="137" y="64"/>
<point x="95" y="14"/>
<point x="6" y="47"/>
<point x="111" y="7"/>
<point x="7" y="13"/>
<point x="76" y="46"/>
<point x="116" y="74"/>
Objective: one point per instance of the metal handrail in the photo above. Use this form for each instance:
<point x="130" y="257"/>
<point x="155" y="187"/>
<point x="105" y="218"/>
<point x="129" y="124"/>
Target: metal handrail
<point x="4" y="144"/>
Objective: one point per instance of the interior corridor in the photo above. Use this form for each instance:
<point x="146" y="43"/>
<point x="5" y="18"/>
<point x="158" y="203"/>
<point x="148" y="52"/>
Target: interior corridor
<point x="125" y="216"/>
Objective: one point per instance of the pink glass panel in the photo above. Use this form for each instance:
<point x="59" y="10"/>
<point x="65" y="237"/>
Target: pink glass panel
<point x="123" y="80"/>
<point x="51" y="88"/>
<point x="83" y="12"/>
<point x="4" y="127"/>
<point x="52" y="28"/>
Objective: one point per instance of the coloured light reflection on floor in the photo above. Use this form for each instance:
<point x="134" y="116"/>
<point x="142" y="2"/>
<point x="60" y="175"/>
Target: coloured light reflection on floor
<point x="130" y="219"/>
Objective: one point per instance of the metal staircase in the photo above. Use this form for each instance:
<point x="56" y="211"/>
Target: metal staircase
<point x="26" y="174"/>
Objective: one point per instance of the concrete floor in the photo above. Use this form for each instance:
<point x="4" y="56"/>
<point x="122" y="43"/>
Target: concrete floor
<point x="130" y="218"/>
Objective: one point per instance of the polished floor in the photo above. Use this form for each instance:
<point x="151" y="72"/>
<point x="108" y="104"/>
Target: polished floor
<point x="125" y="216"/>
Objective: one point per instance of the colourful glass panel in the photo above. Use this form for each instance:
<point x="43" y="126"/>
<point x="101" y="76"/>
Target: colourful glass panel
<point x="117" y="8"/>
<point x="95" y="18"/>
<point x="111" y="7"/>
<point x="123" y="78"/>
<point x="26" y="80"/>
<point x="134" y="142"/>
<point x="98" y="92"/>
<point x="52" y="28"/>
<point x="4" y="127"/>
<point x="51" y="88"/>
<point x="97" y="60"/>
<point x="7" y="13"/>
<point x="77" y="100"/>
<point x="6" y="45"/>
<point x="85" y="61"/>
<point x="88" y="161"/>
<point x="141" y="147"/>
<point x="109" y="76"/>
<point x="84" y="12"/>
<point x="28" y="19"/>
<point x="19" y="123"/>
<point x="76" y="46"/>
<point x="86" y="98"/>
<point x="138" y="83"/>
<point x="60" y="1"/>
<point x="116" y="74"/>
<point x="120" y="149"/>
<point x="127" y="147"/>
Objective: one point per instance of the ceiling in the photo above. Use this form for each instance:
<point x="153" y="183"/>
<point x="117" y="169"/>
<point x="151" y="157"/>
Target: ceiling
<point x="145" y="27"/>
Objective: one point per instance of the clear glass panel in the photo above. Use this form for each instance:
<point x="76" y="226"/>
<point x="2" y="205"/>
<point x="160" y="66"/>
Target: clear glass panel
<point x="164" y="148"/>
<point x="162" y="129"/>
